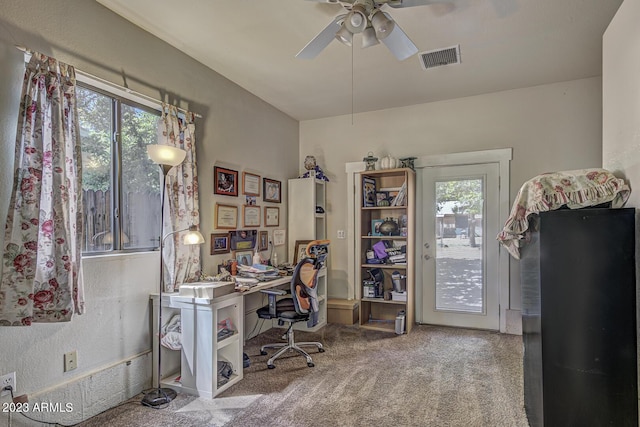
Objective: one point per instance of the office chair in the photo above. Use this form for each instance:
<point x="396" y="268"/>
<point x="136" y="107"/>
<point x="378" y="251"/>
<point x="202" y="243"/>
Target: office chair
<point x="302" y="306"/>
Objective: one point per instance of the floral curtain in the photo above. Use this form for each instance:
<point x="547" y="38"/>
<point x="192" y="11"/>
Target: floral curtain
<point x="182" y="208"/>
<point x="41" y="275"/>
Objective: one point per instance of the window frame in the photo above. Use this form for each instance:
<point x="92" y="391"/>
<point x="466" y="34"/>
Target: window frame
<point x="117" y="97"/>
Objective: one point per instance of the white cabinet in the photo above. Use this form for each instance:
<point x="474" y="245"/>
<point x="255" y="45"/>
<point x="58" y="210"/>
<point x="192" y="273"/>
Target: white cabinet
<point x="306" y="198"/>
<point x="308" y="221"/>
<point x="203" y="346"/>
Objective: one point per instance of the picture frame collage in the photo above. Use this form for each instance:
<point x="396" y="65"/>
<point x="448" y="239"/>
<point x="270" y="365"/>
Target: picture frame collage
<point x="237" y="226"/>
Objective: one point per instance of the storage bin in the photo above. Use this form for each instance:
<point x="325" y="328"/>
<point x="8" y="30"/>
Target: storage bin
<point x="342" y="311"/>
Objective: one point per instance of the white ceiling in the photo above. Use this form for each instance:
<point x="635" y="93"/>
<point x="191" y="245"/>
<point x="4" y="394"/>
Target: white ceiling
<point x="504" y="44"/>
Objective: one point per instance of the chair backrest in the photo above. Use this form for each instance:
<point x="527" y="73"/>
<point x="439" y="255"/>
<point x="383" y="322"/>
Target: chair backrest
<point x="305" y="279"/>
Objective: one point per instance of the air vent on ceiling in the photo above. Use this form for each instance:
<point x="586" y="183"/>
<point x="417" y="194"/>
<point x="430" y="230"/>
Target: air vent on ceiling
<point x="438" y="57"/>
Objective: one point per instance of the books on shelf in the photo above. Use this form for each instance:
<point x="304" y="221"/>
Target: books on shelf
<point x="400" y="198"/>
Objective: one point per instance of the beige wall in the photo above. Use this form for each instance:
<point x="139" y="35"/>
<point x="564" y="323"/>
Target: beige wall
<point x="621" y="97"/>
<point x="237" y="129"/>
<point x="551" y="127"/>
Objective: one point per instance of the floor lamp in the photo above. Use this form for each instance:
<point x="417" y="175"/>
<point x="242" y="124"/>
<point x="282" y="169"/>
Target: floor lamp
<point x="166" y="157"/>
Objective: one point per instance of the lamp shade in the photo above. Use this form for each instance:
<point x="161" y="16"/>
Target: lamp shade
<point x="344" y="36"/>
<point x="356" y="20"/>
<point x="382" y="25"/>
<point x="193" y="237"/>
<point x="369" y="37"/>
<point x="166" y="154"/>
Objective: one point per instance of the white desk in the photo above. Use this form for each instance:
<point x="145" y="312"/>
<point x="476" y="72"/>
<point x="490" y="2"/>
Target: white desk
<point x="196" y="364"/>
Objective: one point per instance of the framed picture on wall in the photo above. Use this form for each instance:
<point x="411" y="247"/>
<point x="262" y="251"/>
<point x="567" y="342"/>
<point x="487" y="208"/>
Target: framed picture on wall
<point x="219" y="243"/>
<point x="225" y="181"/>
<point x="272" y="191"/>
<point x="226" y="216"/>
<point x="271" y="216"/>
<point x="263" y="240"/>
<point x="250" y="184"/>
<point x="251" y="216"/>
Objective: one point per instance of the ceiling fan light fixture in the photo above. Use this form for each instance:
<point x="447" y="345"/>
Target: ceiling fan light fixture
<point x="356" y="20"/>
<point x="344" y="36"/>
<point x="381" y="24"/>
<point x="369" y="37"/>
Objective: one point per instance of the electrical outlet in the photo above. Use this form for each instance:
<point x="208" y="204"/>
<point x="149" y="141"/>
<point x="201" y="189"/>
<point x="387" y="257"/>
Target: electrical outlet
<point x="341" y="234"/>
<point x="70" y="361"/>
<point x="7" y="380"/>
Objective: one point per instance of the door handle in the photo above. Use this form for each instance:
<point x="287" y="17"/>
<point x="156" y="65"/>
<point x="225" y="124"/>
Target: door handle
<point x="427" y="257"/>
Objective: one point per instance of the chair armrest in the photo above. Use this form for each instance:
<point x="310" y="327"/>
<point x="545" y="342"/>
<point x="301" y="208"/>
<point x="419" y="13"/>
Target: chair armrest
<point x="274" y="291"/>
<point x="272" y="294"/>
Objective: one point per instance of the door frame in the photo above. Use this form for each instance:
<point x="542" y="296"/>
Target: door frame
<point x="502" y="156"/>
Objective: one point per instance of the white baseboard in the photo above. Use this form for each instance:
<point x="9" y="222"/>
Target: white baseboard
<point x="89" y="395"/>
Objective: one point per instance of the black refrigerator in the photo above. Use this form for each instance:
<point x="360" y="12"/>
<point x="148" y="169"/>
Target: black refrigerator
<point x="579" y="318"/>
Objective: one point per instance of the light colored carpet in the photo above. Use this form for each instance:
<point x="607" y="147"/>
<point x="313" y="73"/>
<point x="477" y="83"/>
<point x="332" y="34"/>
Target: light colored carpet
<point x="432" y="377"/>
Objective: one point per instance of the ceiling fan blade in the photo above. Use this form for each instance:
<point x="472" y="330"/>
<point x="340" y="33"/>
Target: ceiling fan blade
<point x="399" y="43"/>
<point x="322" y="40"/>
<point x="411" y="3"/>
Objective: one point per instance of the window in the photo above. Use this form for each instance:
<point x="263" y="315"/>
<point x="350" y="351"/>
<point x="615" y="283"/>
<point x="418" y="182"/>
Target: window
<point x="121" y="186"/>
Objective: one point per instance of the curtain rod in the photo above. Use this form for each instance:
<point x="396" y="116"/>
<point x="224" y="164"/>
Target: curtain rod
<point x="117" y="86"/>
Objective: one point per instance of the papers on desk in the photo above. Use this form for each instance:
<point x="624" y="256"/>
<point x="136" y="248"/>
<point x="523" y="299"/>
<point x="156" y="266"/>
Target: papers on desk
<point x="260" y="272"/>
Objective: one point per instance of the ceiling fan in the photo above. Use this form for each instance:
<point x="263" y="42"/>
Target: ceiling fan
<point x="366" y="17"/>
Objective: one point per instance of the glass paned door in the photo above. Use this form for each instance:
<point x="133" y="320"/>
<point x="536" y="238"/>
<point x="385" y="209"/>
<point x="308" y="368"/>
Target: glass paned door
<point x="459" y="250"/>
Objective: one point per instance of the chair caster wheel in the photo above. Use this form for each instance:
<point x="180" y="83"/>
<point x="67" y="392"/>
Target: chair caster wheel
<point x="311" y="365"/>
<point x="321" y="350"/>
<point x="263" y="353"/>
<point x="271" y="366"/>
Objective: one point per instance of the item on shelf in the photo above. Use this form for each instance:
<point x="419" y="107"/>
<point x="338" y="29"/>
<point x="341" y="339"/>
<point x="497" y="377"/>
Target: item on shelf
<point x="380" y="249"/>
<point x="398" y="296"/>
<point x="375" y="283"/>
<point x="171" y="336"/>
<point x="370" y="161"/>
<point x="397" y="279"/>
<point x="368" y="192"/>
<point x="407" y="162"/>
<point x="389" y="227"/>
<point x="388" y="162"/>
<point x="400" y="199"/>
<point x="225" y="370"/>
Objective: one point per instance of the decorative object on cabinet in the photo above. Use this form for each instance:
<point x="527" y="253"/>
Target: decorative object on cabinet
<point x="263" y="240"/>
<point x="250" y="216"/>
<point x="387" y="254"/>
<point x="272" y="191"/>
<point x="243" y="239"/>
<point x="250" y="184"/>
<point x="271" y="216"/>
<point x="226" y="216"/>
<point x="407" y="162"/>
<point x="313" y="170"/>
<point x="219" y="243"/>
<point x="370" y="161"/>
<point x="225" y="181"/>
<point x="166" y="157"/>
<point x="388" y="162"/>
